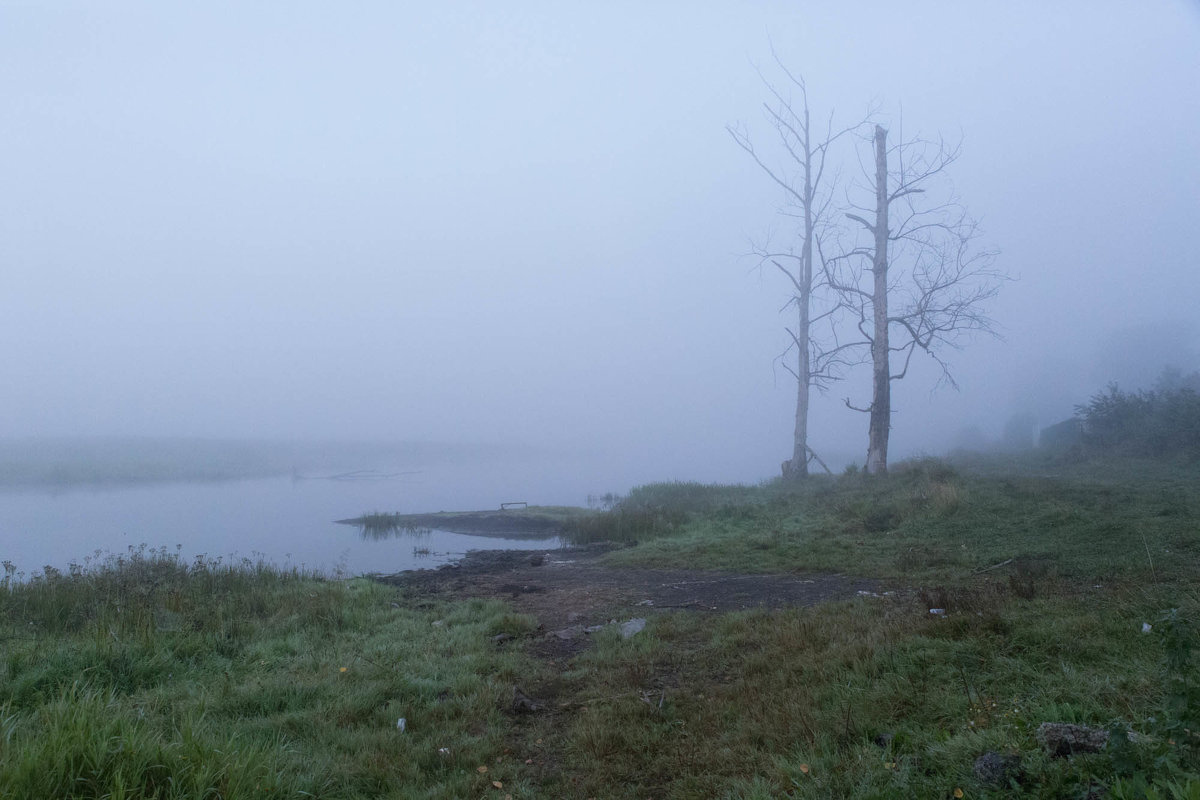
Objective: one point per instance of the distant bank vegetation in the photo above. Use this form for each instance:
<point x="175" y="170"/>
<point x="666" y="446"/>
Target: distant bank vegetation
<point x="69" y="462"/>
<point x="1164" y="421"/>
<point x="116" y="461"/>
<point x="1159" y="422"/>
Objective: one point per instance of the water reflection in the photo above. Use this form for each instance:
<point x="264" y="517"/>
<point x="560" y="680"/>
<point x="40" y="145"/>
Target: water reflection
<point x="435" y="545"/>
<point x="374" y="527"/>
<point x="291" y="523"/>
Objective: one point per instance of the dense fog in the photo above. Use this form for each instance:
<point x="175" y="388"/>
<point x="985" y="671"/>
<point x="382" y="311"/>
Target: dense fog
<point x="526" y="223"/>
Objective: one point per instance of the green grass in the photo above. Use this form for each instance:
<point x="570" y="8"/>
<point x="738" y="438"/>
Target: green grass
<point x="930" y="521"/>
<point x="146" y="677"/>
<point x="751" y="700"/>
<point x="1047" y="572"/>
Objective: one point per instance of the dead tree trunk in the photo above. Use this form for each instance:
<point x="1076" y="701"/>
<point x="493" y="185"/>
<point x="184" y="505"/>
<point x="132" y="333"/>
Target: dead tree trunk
<point x="881" y="393"/>
<point x="819" y="355"/>
<point x="799" y="462"/>
<point x="928" y="286"/>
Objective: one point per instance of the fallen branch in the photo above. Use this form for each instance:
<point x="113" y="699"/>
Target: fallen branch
<point x="817" y="458"/>
<point x="993" y="566"/>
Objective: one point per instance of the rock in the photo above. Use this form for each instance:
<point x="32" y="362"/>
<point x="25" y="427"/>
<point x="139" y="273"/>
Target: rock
<point x="646" y="603"/>
<point x="573" y="616"/>
<point x="501" y="637"/>
<point x="537" y="561"/>
<point x="884" y="739"/>
<point x="437" y="623"/>
<point x="1061" y="739"/>
<point x="519" y="589"/>
<point x="523" y="703"/>
<point x="632" y="627"/>
<point x="997" y="771"/>
<point x="594" y="628"/>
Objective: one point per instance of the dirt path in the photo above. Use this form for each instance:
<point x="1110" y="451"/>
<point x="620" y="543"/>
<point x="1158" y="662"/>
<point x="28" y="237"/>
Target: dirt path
<point x="570" y="590"/>
<point x="570" y="587"/>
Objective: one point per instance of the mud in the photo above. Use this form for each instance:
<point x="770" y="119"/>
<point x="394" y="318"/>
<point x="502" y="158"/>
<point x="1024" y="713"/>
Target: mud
<point x="570" y="586"/>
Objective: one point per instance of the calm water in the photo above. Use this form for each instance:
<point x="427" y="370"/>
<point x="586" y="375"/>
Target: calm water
<point x="284" y="521"/>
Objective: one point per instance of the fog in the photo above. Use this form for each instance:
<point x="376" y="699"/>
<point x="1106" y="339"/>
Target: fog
<point x="526" y="223"/>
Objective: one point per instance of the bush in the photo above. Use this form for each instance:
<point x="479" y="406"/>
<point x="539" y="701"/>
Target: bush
<point x="1156" y="423"/>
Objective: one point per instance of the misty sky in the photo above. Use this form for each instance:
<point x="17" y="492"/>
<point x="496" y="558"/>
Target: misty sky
<point x="526" y="221"/>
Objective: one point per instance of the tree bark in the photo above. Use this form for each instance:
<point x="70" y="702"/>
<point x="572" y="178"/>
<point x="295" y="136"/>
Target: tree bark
<point x="881" y="396"/>
<point x="803" y="343"/>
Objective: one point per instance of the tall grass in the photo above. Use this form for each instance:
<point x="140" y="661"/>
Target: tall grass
<point x="662" y="509"/>
<point x="147" y="676"/>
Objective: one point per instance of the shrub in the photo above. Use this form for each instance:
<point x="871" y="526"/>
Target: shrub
<point x="1144" y="423"/>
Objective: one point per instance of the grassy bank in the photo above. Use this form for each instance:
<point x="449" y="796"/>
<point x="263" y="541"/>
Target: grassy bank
<point x="928" y="521"/>
<point x="145" y="677"/>
<point x="1046" y="574"/>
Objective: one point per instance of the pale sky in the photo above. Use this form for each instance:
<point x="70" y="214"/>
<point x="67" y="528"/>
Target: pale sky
<point x="526" y="222"/>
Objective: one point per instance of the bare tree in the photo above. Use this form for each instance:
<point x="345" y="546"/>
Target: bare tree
<point x="915" y="279"/>
<point x="803" y="155"/>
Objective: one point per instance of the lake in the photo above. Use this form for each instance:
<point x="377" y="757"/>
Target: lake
<point x="285" y="521"/>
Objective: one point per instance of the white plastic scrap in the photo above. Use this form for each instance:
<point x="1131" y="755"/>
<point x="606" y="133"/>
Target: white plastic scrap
<point x="938" y="612"/>
<point x="401" y="724"/>
<point x="1146" y="627"/>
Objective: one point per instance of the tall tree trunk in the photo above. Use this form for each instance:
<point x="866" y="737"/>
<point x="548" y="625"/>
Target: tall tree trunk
<point x="798" y="466"/>
<point x="881" y="397"/>
<point x="799" y="463"/>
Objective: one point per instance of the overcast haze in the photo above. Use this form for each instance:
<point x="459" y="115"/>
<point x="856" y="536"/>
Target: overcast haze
<point x="525" y="222"/>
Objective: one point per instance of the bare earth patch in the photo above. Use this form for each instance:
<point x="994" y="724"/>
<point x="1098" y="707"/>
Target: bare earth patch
<point x="570" y="587"/>
<point x="570" y="590"/>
